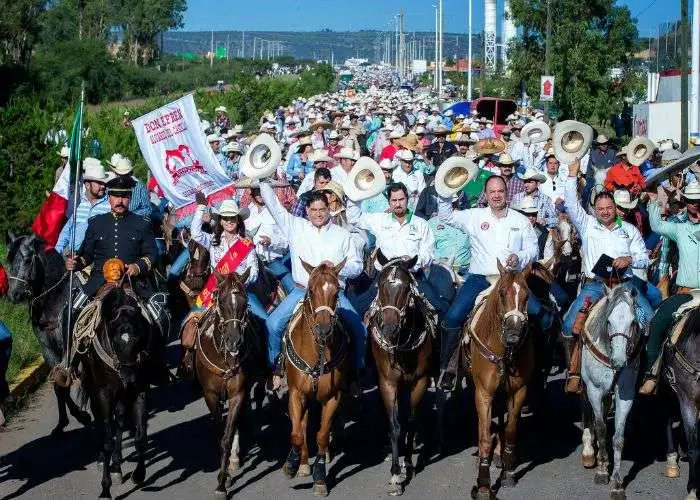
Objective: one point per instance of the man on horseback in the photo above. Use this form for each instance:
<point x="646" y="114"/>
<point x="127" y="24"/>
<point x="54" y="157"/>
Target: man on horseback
<point x="314" y="240"/>
<point x="602" y="234"/>
<point x="685" y="235"/>
<point x="497" y="233"/>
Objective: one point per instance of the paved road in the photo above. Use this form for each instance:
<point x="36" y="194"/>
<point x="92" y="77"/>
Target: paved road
<point x="182" y="456"/>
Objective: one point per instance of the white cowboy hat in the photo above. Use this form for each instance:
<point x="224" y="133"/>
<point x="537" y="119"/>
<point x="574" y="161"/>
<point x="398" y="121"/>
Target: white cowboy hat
<point x="505" y="159"/>
<point x="262" y="158"/>
<point x="572" y="140"/>
<point x="640" y="150"/>
<point x="120" y="165"/>
<point x="365" y="180"/>
<point x="404" y="154"/>
<point x="453" y="174"/>
<point x="320" y="155"/>
<point x="229" y="208"/>
<point x="348" y="154"/>
<point x="395" y="134"/>
<point x="213" y="138"/>
<point x="221" y="108"/>
<point x="535" y="132"/>
<point x="532" y="173"/>
<point x="623" y="199"/>
<point x="333" y="135"/>
<point x="386" y="164"/>
<point x="665" y="145"/>
<point x="65" y="152"/>
<point x="93" y="170"/>
<point x="231" y="147"/>
<point x="601" y="139"/>
<point x="692" y="190"/>
<point x="527" y="204"/>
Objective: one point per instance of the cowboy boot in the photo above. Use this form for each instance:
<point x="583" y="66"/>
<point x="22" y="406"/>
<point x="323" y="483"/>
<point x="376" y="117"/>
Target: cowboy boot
<point x="651" y="377"/>
<point x="573" y="381"/>
<point x="448" y="369"/>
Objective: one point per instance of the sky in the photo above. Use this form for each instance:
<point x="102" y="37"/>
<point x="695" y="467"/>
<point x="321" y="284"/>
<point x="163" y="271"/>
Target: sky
<point x="353" y="15"/>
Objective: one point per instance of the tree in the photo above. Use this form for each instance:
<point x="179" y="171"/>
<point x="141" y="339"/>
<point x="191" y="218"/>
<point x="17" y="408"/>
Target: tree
<point x="19" y="28"/>
<point x="588" y="40"/>
<point x="143" y="21"/>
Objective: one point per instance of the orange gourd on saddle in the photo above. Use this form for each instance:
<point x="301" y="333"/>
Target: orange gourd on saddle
<point x="113" y="270"/>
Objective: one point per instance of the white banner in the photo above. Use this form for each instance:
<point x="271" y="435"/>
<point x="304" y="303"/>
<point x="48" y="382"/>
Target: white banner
<point x="177" y="154"/>
<point x="547" y="88"/>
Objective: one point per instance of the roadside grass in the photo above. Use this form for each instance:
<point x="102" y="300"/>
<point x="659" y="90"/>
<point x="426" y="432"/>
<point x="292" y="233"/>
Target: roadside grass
<point x="25" y="345"/>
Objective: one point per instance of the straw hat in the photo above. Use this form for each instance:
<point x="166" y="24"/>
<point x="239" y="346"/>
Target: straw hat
<point x="229" y="208"/>
<point x="221" y="108"/>
<point x="213" y="138"/>
<point x="386" y="164"/>
<point x="231" y="147"/>
<point x="320" y="155"/>
<point x="334" y="188"/>
<point x="572" y="140"/>
<point x="120" y="165"/>
<point x="669" y="156"/>
<point x="489" y="146"/>
<point x="395" y="134"/>
<point x="304" y="141"/>
<point x="441" y="130"/>
<point x="526" y="205"/>
<point x="454" y="173"/>
<point x="410" y="142"/>
<point x="640" y="150"/>
<point x="601" y="139"/>
<point x="348" y="154"/>
<point x="623" y="199"/>
<point x="505" y="159"/>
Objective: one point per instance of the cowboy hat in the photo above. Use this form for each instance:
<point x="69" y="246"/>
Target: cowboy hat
<point x="65" y="152"/>
<point x="396" y="134"/>
<point x="454" y="173"/>
<point x="120" y="165"/>
<point x="404" y="155"/>
<point x="601" y="139"/>
<point x="386" y="164"/>
<point x="526" y="205"/>
<point x="320" y="155"/>
<point x="221" y="108"/>
<point x="440" y="130"/>
<point x="213" y="138"/>
<point x="623" y="199"/>
<point x="535" y="132"/>
<point x="333" y="135"/>
<point x="665" y="145"/>
<point x="348" y="154"/>
<point x="365" y="180"/>
<point x="692" y="191"/>
<point x="669" y="156"/>
<point x="532" y="173"/>
<point x="232" y="147"/>
<point x="319" y="123"/>
<point x="304" y="141"/>
<point x="410" y="142"/>
<point x="622" y="152"/>
<point x="262" y="158"/>
<point x="505" y="159"/>
<point x="571" y="140"/>
<point x="229" y="208"/>
<point x="93" y="170"/>
<point x="489" y="146"/>
<point x="640" y="150"/>
<point x="334" y="188"/>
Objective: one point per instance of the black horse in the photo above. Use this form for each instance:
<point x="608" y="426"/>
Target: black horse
<point x="115" y="380"/>
<point x="38" y="277"/>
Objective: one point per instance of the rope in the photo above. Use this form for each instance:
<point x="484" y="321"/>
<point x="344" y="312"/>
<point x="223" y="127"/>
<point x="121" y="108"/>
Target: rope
<point x="86" y="326"/>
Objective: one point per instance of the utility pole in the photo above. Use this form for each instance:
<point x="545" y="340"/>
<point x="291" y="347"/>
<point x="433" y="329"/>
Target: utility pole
<point x="440" y="65"/>
<point x="469" y="75"/>
<point x="684" y="74"/>
<point x="548" y="43"/>
<point x="695" y="80"/>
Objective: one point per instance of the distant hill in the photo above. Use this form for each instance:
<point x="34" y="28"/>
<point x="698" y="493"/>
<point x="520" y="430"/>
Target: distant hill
<point x="316" y="44"/>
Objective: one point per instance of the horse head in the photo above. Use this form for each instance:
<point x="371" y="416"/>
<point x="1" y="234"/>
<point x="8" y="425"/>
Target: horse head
<point x="231" y="303"/>
<point x="621" y="331"/>
<point x="322" y="298"/>
<point x="126" y="328"/>
<point x="198" y="267"/>
<point x="511" y="292"/>
<point x="26" y="272"/>
<point x="394" y="294"/>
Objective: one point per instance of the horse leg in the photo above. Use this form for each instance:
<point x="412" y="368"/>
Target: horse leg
<point x="140" y="415"/>
<point x="483" y="399"/>
<point x="81" y="416"/>
<point x="389" y="392"/>
<point x="672" y="470"/>
<point x="322" y="440"/>
<point x="690" y="425"/>
<point x="587" y="422"/>
<point x="596" y="397"/>
<point x="234" y="462"/>
<point x="61" y="394"/>
<point x="106" y="409"/>
<point x="510" y="433"/>
<point x="234" y="406"/>
<point x="440" y="403"/>
<point x="297" y="411"/>
<point x="304" y="467"/>
<point x="624" y="397"/>
<point x="500" y="425"/>
<point x="417" y="394"/>
<point x="115" y="470"/>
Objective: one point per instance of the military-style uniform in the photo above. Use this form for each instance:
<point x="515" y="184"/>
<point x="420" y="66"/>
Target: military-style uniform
<point x="129" y="238"/>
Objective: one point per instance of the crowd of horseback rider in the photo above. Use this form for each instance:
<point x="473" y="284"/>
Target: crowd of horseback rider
<point x="356" y="184"/>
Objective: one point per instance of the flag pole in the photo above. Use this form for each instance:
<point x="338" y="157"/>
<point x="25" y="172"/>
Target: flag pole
<point x="76" y="200"/>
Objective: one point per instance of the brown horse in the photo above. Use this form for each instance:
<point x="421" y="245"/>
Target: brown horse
<point x="402" y="342"/>
<point x="316" y="354"/>
<point x="502" y="356"/>
<point x="230" y="351"/>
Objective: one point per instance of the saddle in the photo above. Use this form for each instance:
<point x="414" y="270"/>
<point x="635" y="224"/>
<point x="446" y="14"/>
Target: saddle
<point x="478" y="309"/>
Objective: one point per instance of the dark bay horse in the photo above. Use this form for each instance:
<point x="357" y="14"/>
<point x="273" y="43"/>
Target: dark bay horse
<point x="502" y="357"/>
<point x="230" y="353"/>
<point x="402" y="341"/>
<point x="115" y="359"/>
<point x="682" y="372"/>
<point x="316" y="357"/>
<point x="39" y="277"/>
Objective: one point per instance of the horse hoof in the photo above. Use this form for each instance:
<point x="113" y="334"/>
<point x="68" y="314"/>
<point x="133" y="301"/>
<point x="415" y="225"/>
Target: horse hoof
<point x="219" y="495"/>
<point x="672" y="471"/>
<point x="602" y="478"/>
<point x="394" y="489"/>
<point x="233" y="467"/>
<point x="328" y="457"/>
<point x="480" y="493"/>
<point x="617" y="495"/>
<point x="320" y="489"/>
<point x="508" y="479"/>
<point x="105" y="495"/>
<point x="84" y="418"/>
<point x="588" y="461"/>
<point x="139" y="475"/>
<point x="497" y="461"/>
<point x="304" y="470"/>
<point x="289" y="471"/>
<point x="692" y="495"/>
<point x="117" y="477"/>
<point x="58" y="430"/>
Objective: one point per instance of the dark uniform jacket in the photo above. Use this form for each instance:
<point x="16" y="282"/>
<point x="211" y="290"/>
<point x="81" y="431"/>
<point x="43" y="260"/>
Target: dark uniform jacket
<point x="129" y="238"/>
<point x="437" y="156"/>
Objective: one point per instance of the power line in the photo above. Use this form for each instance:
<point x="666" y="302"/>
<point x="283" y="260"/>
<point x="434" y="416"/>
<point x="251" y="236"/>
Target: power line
<point x="645" y="9"/>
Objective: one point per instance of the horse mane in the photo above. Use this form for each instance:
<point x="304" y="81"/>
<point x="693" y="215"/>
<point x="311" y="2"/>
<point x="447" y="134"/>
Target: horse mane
<point x="598" y="323"/>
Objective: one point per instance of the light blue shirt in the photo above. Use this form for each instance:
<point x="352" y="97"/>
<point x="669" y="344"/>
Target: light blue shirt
<point x="545" y="207"/>
<point x="140" y="203"/>
<point x="296" y="166"/>
<point x="375" y="205"/>
<point x="83" y="214"/>
<point x="451" y="243"/>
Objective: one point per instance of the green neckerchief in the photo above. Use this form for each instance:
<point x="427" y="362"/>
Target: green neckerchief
<point x="409" y="215"/>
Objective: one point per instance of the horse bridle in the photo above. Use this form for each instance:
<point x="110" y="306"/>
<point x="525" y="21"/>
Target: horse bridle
<point x="221" y="323"/>
<point x="321" y="341"/>
<point x="629" y="337"/>
<point x="26" y="282"/>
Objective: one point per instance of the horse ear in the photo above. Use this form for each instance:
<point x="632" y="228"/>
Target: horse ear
<point x="381" y="258"/>
<point x="501" y="269"/>
<point x="10" y="238"/>
<point x="245" y="276"/>
<point x="339" y="266"/>
<point x="411" y="262"/>
<point x="307" y="267"/>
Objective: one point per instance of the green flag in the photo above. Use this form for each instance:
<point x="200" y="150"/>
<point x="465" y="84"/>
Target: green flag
<point x="76" y="137"/>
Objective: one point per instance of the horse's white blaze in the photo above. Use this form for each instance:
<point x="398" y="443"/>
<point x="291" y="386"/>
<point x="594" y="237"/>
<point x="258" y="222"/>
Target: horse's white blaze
<point x="325" y="287"/>
<point x="125" y="337"/>
<point x="620" y="321"/>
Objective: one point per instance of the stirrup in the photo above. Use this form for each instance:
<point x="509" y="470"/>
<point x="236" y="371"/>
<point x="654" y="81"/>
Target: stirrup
<point x="574" y="384"/>
<point x="649" y="385"/>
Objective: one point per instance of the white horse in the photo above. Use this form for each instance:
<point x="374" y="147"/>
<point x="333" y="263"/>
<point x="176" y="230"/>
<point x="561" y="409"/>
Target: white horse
<point x="609" y="364"/>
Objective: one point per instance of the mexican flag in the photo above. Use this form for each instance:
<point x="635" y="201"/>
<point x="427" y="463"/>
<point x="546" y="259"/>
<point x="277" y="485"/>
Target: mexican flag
<point x="52" y="215"/>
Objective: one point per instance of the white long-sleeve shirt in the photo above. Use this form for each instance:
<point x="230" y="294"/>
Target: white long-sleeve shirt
<point x="492" y="238"/>
<point x="260" y="223"/>
<point x="218" y="252"/>
<point x="413" y="237"/>
<point x="623" y="240"/>
<point x="311" y="244"/>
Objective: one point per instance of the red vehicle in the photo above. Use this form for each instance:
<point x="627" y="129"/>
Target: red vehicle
<point x="496" y="109"/>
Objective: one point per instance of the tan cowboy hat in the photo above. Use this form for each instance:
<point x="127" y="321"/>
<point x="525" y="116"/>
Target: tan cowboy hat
<point x="532" y="173"/>
<point x="505" y="159"/>
<point x="320" y="155"/>
<point x="410" y="142"/>
<point x="535" y="132"/>
<point x="454" y="173"/>
<point x="526" y="205"/>
<point x="335" y="188"/>
<point x="571" y="140"/>
<point x="93" y="170"/>
<point x="319" y="123"/>
<point x="229" y="208"/>
<point x="692" y="191"/>
<point x="623" y="199"/>
<point x="262" y="158"/>
<point x="601" y="139"/>
<point x="304" y="141"/>
<point x="365" y="180"/>
<point x="440" y="130"/>
<point x="489" y="146"/>
<point x="640" y="150"/>
<point x="221" y="108"/>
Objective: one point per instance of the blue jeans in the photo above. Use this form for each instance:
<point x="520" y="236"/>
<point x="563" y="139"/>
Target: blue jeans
<point x="652" y="293"/>
<point x="278" y="320"/>
<point x="594" y="290"/>
<point x="463" y="302"/>
<point x="178" y="266"/>
<point x="279" y="268"/>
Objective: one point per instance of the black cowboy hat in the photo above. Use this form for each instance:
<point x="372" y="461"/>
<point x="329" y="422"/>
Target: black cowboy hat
<point x="120" y="185"/>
